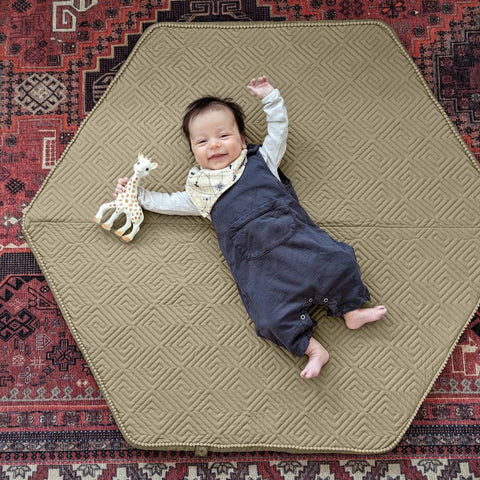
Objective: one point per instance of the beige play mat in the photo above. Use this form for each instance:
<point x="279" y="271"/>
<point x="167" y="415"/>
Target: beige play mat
<point x="374" y="160"/>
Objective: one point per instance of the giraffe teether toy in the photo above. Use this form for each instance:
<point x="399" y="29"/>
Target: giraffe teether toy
<point x="126" y="202"/>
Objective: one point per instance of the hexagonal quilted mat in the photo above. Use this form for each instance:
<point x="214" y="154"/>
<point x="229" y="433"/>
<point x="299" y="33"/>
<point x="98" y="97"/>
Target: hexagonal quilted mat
<point x="374" y="160"/>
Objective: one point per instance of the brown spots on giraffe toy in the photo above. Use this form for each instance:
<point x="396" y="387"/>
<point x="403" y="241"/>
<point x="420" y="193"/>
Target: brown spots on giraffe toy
<point x="126" y="202"/>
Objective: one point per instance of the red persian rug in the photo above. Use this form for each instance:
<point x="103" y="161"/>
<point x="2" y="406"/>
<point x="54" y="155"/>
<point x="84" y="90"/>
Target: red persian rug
<point x="57" y="57"/>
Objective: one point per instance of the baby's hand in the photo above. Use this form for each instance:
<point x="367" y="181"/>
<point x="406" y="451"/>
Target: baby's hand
<point x="260" y="87"/>
<point x="120" y="186"/>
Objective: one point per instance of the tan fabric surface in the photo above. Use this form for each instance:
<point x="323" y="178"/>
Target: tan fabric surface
<point x="374" y="160"/>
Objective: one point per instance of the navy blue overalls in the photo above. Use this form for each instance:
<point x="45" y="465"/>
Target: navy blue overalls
<point x="282" y="262"/>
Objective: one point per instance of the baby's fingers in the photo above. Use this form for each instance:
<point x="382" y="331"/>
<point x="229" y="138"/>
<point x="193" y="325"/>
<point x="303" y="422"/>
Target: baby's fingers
<point x="121" y="182"/>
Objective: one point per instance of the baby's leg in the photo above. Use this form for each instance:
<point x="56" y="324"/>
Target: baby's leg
<point x="317" y="358"/>
<point x="359" y="317"/>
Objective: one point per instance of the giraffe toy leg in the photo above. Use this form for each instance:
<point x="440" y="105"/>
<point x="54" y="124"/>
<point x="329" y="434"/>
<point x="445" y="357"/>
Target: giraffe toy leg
<point x="108" y="224"/>
<point x="101" y="211"/>
<point x="128" y="224"/>
<point x="135" y="229"/>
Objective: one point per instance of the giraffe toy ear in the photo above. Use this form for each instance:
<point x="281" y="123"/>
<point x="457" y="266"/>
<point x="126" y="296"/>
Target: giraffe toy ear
<point x="154" y="166"/>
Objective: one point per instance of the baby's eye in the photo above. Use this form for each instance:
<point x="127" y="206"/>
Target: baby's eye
<point x="224" y="135"/>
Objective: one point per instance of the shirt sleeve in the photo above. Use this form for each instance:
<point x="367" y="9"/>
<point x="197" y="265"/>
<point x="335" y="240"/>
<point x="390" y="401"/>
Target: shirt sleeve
<point x="275" y="143"/>
<point x="177" y="203"/>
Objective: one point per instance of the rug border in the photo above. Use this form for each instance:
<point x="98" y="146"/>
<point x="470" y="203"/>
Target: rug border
<point x="204" y="448"/>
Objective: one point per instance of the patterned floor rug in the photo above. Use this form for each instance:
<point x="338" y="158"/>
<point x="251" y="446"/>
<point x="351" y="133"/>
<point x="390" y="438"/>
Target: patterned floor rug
<point x="56" y="60"/>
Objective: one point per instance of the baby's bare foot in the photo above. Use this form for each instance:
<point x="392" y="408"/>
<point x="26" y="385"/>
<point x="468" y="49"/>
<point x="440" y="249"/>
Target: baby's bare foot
<point x="359" y="317"/>
<point x="317" y="358"/>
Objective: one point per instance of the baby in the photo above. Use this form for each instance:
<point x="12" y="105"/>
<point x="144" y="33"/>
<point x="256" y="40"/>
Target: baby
<point x="282" y="262"/>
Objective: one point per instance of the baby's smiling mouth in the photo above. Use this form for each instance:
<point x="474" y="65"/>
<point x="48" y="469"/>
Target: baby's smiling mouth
<point x="217" y="156"/>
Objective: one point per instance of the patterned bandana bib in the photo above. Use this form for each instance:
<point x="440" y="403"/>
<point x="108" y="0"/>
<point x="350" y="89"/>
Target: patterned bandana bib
<point x="205" y="186"/>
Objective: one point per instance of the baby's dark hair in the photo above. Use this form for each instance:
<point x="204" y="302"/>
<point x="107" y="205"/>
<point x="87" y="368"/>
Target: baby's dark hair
<point x="209" y="103"/>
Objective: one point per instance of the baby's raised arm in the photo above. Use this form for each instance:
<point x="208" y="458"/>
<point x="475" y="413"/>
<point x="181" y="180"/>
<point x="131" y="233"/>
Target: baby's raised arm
<point x="260" y="87"/>
<point x="275" y="143"/>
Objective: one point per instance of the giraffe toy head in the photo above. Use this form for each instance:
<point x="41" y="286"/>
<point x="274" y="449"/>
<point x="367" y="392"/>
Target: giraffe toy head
<point x="143" y="166"/>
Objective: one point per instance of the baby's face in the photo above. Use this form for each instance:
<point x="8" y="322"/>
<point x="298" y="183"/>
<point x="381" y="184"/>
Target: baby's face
<point x="215" y="139"/>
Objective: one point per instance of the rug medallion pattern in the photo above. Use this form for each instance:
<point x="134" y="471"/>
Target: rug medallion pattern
<point x="56" y="60"/>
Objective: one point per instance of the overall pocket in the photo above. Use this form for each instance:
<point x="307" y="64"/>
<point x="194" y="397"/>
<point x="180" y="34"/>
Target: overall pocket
<point x="263" y="229"/>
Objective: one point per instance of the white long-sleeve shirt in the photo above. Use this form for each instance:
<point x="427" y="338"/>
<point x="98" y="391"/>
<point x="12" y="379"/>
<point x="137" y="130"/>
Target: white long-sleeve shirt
<point x="272" y="150"/>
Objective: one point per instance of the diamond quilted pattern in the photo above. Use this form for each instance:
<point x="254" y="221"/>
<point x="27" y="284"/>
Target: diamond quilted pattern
<point x="374" y="160"/>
